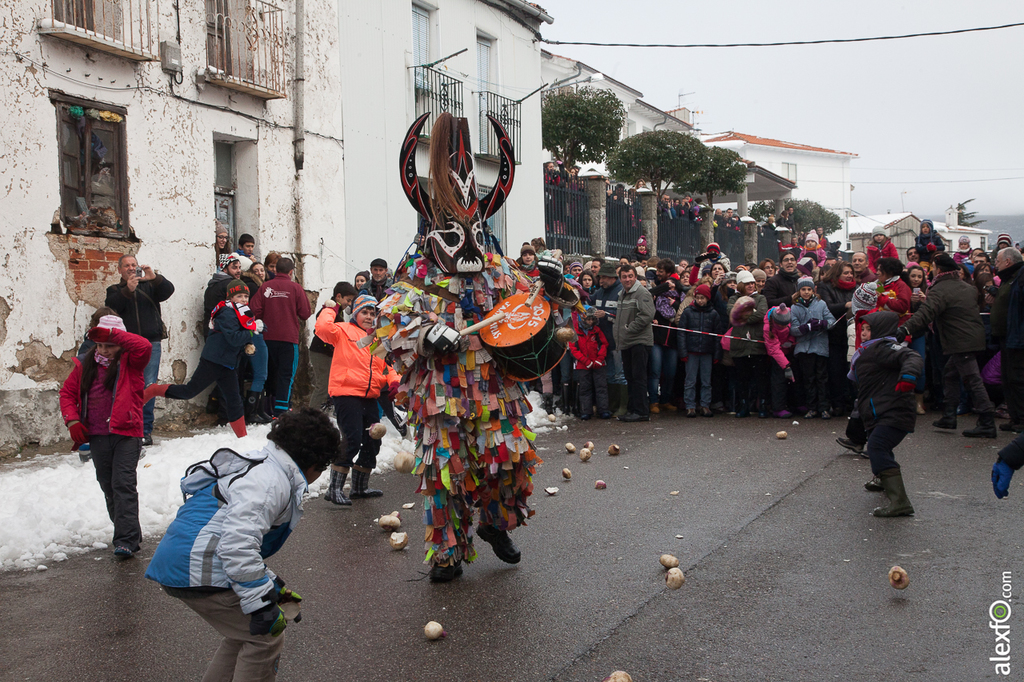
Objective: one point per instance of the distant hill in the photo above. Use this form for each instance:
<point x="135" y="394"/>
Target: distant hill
<point x="1011" y="224"/>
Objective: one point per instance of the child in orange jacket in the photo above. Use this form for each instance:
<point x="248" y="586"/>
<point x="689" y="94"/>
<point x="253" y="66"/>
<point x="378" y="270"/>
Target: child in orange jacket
<point x="357" y="379"/>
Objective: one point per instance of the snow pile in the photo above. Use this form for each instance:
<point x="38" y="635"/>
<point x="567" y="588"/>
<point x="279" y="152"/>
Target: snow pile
<point x="53" y="508"/>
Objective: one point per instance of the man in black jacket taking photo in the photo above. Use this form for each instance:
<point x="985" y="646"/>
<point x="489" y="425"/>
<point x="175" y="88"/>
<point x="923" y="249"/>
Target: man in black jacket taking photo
<point x="136" y="299"/>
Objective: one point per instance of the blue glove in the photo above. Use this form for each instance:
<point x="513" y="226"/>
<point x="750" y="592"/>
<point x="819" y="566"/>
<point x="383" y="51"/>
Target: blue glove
<point x="1001" y="475"/>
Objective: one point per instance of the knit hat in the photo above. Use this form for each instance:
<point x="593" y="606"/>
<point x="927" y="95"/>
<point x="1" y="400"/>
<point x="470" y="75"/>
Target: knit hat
<point x="713" y="246"/>
<point x="743" y="306"/>
<point x="879" y="229"/>
<point x="804" y="282"/>
<point x="781" y="316"/>
<point x="244" y="262"/>
<point x="363" y="301"/>
<point x="945" y="263"/>
<point x="964" y="240"/>
<point x="224" y="259"/>
<point x="1004" y="237"/>
<point x="730" y="276"/>
<point x="527" y="248"/>
<point x="744" y="277"/>
<point x="235" y="286"/>
<point x="111" y="322"/>
<point x="806" y="265"/>
<point x="758" y="273"/>
<point x="575" y="264"/>
<point x="703" y="290"/>
<point x="865" y="296"/>
<point x="221" y="228"/>
<point x="811" y="238"/>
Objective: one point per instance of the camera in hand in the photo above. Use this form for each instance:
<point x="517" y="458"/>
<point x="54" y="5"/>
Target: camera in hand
<point x="139" y="273"/>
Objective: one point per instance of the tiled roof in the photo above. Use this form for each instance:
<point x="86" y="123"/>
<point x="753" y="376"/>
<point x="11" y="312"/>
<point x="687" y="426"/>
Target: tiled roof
<point x="768" y="142"/>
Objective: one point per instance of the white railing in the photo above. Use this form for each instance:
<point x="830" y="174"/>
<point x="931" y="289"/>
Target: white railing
<point x="124" y="27"/>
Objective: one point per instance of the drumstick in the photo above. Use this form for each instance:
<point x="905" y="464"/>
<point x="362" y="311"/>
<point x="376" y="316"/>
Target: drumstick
<point x="480" y="325"/>
<point x="533" y="295"/>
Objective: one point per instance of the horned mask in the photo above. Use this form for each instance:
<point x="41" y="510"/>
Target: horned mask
<point x="455" y="237"/>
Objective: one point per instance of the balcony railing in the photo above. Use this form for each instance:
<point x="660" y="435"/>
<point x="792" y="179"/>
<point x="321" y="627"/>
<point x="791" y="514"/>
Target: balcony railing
<point x="245" y="47"/>
<point x="508" y="113"/>
<point x="127" y="28"/>
<point x="436" y="92"/>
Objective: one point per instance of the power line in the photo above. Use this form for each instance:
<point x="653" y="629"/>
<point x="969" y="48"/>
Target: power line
<point x="793" y="42"/>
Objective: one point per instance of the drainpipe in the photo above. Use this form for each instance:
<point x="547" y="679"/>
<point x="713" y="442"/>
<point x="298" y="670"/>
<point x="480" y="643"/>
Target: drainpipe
<point x="299" y="119"/>
<point x="532" y="10"/>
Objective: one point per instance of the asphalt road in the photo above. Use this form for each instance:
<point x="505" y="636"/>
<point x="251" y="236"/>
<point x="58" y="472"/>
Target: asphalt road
<point x="785" y="574"/>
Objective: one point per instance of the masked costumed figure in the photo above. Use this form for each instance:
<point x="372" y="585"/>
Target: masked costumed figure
<point x="466" y="403"/>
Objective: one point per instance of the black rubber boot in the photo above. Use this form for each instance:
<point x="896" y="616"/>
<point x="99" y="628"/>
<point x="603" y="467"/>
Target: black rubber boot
<point x="948" y="420"/>
<point x="252" y="401"/>
<point x="986" y="427"/>
<point x="335" y="492"/>
<point x="548" y="403"/>
<point x="500" y="542"/>
<point x="445" y="574"/>
<point x="892" y="485"/>
<point x="874" y="485"/>
<point x="567" y="406"/>
<point x="360" y="481"/>
<point x="742" y="411"/>
<point x="261" y="409"/>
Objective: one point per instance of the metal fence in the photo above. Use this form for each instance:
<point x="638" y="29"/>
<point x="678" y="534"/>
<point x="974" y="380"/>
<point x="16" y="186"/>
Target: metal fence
<point x="678" y="238"/>
<point x="623" y="215"/>
<point x="436" y="92"/>
<point x="245" y="44"/>
<point x="509" y="114"/>
<point x="566" y="214"/>
<point x="730" y="239"/>
<point x="767" y="243"/>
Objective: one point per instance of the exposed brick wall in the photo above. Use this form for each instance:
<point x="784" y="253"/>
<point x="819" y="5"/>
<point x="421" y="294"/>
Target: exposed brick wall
<point x="92" y="264"/>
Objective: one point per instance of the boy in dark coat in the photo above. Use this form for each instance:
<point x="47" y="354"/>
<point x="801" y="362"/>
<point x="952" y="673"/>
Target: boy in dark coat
<point x="699" y="350"/>
<point x="885" y="372"/>
<point x="590" y="352"/>
<point x="231" y="328"/>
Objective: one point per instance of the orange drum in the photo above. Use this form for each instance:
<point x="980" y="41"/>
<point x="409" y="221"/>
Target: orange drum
<point x="523" y="344"/>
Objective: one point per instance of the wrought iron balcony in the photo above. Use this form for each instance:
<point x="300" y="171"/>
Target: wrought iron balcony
<point x="509" y="114"/>
<point x="245" y="47"/>
<point x="127" y="28"/>
<point x="436" y="92"/>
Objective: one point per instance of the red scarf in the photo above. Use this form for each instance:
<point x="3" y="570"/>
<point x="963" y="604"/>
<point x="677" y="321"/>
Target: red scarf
<point x="846" y="286"/>
<point x="248" y="323"/>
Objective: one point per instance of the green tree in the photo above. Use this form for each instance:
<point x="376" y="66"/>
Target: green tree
<point x="721" y="171"/>
<point x="965" y="217"/>
<point x="809" y="215"/>
<point x="581" y="126"/>
<point x="760" y="210"/>
<point x="658" y="157"/>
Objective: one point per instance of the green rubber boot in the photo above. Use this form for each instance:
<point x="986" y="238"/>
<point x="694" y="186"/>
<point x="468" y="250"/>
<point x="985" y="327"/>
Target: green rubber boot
<point x="899" y="504"/>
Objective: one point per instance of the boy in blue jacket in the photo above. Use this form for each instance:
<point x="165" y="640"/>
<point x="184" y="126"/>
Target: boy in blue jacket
<point x="231" y="330"/>
<point x="810" y="325"/>
<point x="240" y="509"/>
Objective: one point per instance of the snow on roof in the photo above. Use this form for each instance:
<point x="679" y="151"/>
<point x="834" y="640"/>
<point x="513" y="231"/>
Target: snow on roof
<point x="943" y="227"/>
<point x="733" y="136"/>
<point x="859" y="224"/>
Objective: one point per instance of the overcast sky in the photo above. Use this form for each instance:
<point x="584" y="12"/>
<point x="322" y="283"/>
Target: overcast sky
<point x="916" y="111"/>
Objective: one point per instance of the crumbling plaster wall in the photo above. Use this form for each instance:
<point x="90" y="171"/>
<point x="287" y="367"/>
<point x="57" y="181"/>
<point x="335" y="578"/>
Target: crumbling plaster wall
<point x="51" y="283"/>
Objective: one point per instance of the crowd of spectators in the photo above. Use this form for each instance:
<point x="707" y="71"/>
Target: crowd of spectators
<point x="775" y="338"/>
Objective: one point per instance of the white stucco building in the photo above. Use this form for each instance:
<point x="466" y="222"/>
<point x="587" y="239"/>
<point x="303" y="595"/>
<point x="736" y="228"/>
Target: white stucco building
<point x="821" y="175"/>
<point x="132" y="125"/>
<point x="565" y="72"/>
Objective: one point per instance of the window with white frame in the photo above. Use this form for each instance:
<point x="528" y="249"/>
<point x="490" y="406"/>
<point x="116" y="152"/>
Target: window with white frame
<point x="789" y="171"/>
<point x="483" y="80"/>
<point x="420" y="35"/>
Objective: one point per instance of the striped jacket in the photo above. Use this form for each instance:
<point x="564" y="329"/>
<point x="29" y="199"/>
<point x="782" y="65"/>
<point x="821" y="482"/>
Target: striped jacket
<point x="241" y="510"/>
